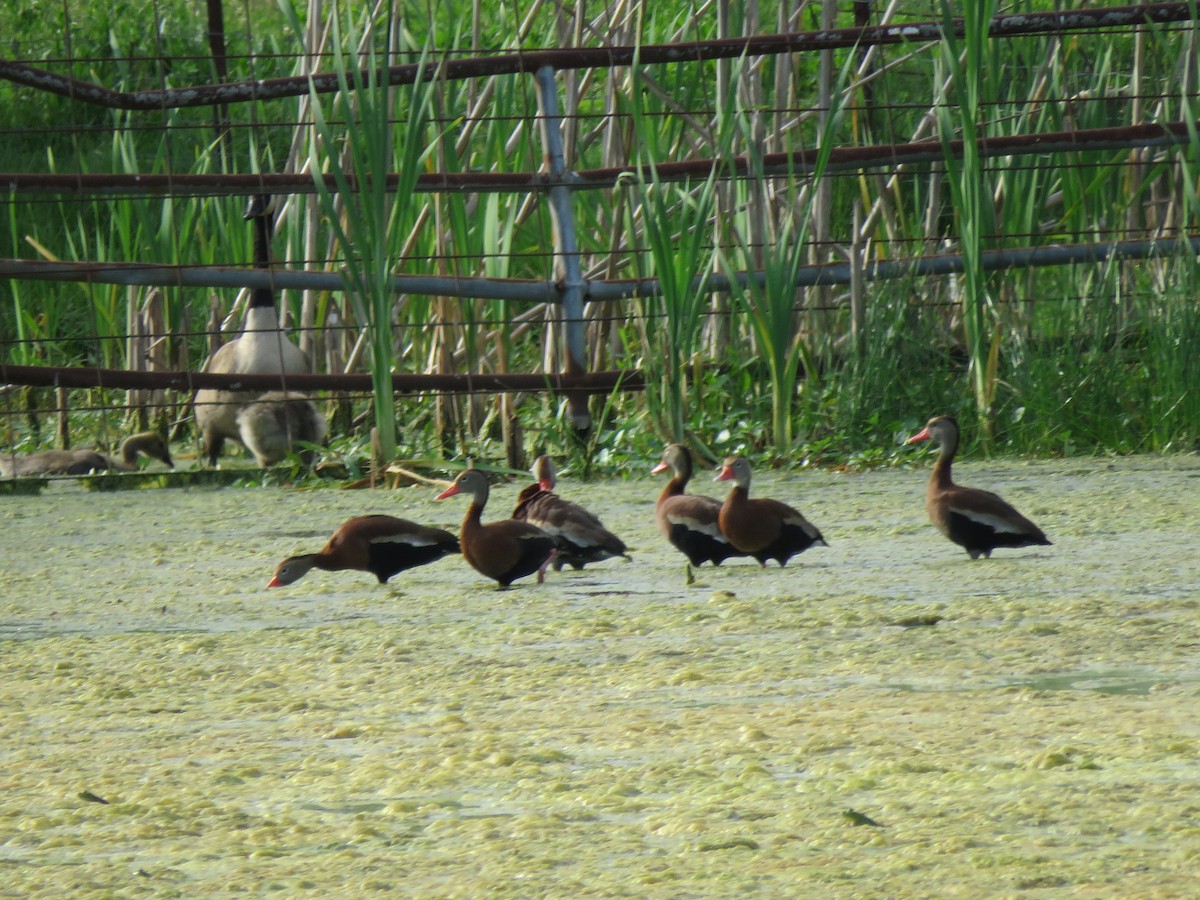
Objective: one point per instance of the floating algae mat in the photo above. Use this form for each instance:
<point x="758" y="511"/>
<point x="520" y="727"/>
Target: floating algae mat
<point x="883" y="718"/>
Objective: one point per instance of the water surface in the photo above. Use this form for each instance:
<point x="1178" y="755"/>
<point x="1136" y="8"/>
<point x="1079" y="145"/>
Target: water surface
<point x="1023" y="725"/>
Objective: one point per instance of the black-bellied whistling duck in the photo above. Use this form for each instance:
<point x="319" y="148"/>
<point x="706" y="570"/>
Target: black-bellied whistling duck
<point x="505" y="550"/>
<point x="689" y="521"/>
<point x="381" y="545"/>
<point x="580" y="536"/>
<point x="276" y="423"/>
<point x="262" y="347"/>
<point x="979" y="521"/>
<point x="764" y="528"/>
<point x="81" y="462"/>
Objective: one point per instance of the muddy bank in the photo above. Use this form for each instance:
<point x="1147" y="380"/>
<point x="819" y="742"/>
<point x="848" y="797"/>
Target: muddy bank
<point x="615" y="730"/>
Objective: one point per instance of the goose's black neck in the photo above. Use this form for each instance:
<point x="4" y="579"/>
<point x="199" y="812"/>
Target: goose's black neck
<point x="262" y="219"/>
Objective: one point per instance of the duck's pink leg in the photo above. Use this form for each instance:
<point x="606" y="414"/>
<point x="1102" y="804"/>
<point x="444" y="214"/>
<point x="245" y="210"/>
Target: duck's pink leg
<point x="545" y="565"/>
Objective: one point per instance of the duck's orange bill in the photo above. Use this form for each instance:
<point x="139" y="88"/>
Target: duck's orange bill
<point x="922" y="435"/>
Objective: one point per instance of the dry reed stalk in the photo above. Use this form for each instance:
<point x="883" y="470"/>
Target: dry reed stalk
<point x="135" y="359"/>
<point x="820" y="320"/>
<point x="152" y="357"/>
<point x="62" y="431"/>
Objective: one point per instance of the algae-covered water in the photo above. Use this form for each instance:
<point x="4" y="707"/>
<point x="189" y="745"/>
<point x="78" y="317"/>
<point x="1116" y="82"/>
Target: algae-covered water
<point x="1022" y="726"/>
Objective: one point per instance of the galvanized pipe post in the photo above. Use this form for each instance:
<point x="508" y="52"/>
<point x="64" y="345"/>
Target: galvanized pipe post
<point x="568" y="272"/>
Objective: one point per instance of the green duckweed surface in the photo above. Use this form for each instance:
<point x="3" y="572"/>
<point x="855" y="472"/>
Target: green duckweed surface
<point x="1023" y="726"/>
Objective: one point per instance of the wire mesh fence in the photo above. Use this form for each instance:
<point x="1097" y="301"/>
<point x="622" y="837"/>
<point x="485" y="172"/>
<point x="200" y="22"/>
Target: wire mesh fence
<point x="833" y="131"/>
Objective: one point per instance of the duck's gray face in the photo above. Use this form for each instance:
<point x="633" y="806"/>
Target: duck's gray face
<point x="672" y="458"/>
<point x="471" y="482"/>
<point x="735" y="469"/>
<point x="289" y="571"/>
<point x="942" y="431"/>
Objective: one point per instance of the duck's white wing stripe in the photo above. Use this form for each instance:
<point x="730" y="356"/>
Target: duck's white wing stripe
<point x="412" y="540"/>
<point x="712" y="529"/>
<point x="996" y="523"/>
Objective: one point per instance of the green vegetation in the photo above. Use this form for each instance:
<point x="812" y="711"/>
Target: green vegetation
<point x="1058" y="360"/>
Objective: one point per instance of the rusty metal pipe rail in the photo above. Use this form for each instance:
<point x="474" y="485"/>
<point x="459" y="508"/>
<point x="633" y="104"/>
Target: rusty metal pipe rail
<point x="592" y="291"/>
<point x="155" y="275"/>
<point x="477" y="382"/>
<point x="841" y="159"/>
<point x="591" y="57"/>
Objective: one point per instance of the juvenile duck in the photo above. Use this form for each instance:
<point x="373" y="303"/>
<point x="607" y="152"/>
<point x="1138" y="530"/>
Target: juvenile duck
<point x="276" y="423"/>
<point x="580" y="536"/>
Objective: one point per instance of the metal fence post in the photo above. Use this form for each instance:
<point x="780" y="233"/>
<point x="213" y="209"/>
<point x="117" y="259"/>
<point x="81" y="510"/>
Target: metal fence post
<point x="567" y="270"/>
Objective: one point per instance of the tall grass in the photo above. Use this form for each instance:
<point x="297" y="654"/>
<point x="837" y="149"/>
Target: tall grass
<point x="902" y="373"/>
<point x="364" y="220"/>
<point x="781" y="217"/>
<point x="969" y="66"/>
<point x="675" y="221"/>
<point x="23" y="324"/>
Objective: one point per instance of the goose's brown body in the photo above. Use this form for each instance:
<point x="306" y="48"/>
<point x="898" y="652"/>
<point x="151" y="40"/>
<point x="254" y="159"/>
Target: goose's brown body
<point x="978" y="521"/>
<point x="689" y="521"/>
<point x="505" y="550"/>
<point x="81" y="462"/>
<point x="579" y="536"/>
<point x="763" y="528"/>
<point x="381" y="545"/>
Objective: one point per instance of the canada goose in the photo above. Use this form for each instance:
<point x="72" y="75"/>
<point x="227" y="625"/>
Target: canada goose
<point x="261" y="348"/>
